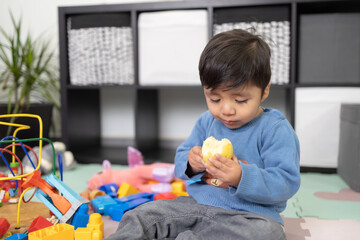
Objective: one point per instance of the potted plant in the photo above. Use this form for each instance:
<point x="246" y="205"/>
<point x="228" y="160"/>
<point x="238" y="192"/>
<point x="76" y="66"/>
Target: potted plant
<point x="27" y="73"/>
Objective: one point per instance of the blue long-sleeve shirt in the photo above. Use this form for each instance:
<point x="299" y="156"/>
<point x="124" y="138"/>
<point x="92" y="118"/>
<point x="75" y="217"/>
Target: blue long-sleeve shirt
<point x="270" y="146"/>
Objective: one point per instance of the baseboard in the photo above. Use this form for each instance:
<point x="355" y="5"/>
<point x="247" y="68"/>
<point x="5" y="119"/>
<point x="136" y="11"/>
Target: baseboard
<point x="318" y="170"/>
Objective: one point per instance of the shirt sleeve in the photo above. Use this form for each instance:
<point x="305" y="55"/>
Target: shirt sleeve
<point x="279" y="178"/>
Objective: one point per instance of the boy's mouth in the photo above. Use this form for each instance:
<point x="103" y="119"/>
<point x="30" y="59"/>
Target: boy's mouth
<point x="228" y="122"/>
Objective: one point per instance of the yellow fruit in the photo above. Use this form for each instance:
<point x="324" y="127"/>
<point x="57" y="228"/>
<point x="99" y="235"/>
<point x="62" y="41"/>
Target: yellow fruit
<point x="211" y="146"/>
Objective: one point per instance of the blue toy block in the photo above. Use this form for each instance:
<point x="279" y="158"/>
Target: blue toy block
<point x="116" y="212"/>
<point x="102" y="203"/>
<point x="18" y="236"/>
<point x="81" y="217"/>
<point x="136" y="196"/>
<point x="110" y="189"/>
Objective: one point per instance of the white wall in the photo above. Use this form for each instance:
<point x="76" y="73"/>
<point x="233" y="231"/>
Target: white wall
<point x="317" y="123"/>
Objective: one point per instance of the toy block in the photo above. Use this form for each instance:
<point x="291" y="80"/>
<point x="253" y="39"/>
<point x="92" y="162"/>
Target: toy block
<point x="96" y="224"/>
<point x="18" y="236"/>
<point x="165" y="196"/>
<point x="178" y="186"/>
<point x="59" y="231"/>
<point x="110" y="189"/>
<point x="81" y="217"/>
<point x="135" y="196"/>
<point x="101" y="203"/>
<point x="83" y="233"/>
<point x="6" y="235"/>
<point x="4" y="226"/>
<point x="39" y="223"/>
<point x="87" y="234"/>
<point x="126" y="190"/>
<point x="180" y="193"/>
<point x="96" y="193"/>
<point x="117" y="212"/>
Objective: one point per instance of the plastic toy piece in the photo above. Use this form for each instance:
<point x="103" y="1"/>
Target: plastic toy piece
<point x="180" y="193"/>
<point x="137" y="177"/>
<point x="126" y="190"/>
<point x="128" y="203"/>
<point x="4" y="226"/>
<point x="81" y="217"/>
<point x="135" y="196"/>
<point x="87" y="234"/>
<point x="101" y="204"/>
<point x="117" y="212"/>
<point x="18" y="236"/>
<point x="39" y="223"/>
<point x="96" y="193"/>
<point x="164" y="174"/>
<point x="73" y="198"/>
<point x="135" y="157"/>
<point x="6" y="235"/>
<point x="165" y="196"/>
<point x="59" y="231"/>
<point x="35" y="180"/>
<point x="110" y="189"/>
<point x="161" y="188"/>
<point x="95" y="223"/>
<point x="178" y="186"/>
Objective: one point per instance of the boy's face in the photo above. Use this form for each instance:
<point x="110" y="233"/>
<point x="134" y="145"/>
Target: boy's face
<point x="235" y="107"/>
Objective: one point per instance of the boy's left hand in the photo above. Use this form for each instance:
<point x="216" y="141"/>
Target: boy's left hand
<point x="226" y="170"/>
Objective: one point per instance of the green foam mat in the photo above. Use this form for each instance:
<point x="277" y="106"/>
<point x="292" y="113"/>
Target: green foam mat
<point x="305" y="204"/>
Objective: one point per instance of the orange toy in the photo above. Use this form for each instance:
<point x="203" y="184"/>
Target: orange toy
<point x="35" y="180"/>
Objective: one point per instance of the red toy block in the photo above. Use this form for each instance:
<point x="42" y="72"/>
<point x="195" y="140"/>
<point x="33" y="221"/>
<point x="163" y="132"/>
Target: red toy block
<point x="165" y="196"/>
<point x="39" y="223"/>
<point x="4" y="226"/>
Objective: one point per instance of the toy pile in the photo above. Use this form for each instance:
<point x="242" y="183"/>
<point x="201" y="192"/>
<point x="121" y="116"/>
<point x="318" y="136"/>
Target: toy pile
<point x="113" y="192"/>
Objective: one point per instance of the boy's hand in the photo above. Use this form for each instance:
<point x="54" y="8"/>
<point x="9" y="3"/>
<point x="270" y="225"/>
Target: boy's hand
<point x="226" y="170"/>
<point x="196" y="160"/>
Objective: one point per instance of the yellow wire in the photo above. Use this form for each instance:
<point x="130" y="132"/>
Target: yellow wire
<point x="20" y="127"/>
<point x="18" y="210"/>
<point x="17" y="125"/>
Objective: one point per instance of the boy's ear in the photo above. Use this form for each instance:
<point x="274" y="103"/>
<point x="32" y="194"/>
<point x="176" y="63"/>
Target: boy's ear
<point x="266" y="92"/>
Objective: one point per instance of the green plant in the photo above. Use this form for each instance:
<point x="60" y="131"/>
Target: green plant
<point x="27" y="70"/>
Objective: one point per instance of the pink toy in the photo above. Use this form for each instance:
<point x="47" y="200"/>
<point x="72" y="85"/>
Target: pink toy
<point x="138" y="176"/>
<point x="135" y="157"/>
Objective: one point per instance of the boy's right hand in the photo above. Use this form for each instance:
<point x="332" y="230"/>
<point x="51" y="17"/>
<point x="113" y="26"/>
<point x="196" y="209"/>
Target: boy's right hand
<point x="196" y="160"/>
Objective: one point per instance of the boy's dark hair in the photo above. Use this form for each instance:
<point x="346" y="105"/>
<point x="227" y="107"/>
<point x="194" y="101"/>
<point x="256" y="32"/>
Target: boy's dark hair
<point x="235" y="58"/>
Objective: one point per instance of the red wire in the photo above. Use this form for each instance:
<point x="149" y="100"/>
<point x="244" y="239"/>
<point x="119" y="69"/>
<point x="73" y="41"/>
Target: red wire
<point x="21" y="167"/>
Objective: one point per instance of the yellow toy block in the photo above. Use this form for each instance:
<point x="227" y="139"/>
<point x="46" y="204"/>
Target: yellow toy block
<point x="59" y="231"/>
<point x="83" y="233"/>
<point x="6" y="235"/>
<point x="178" y="186"/>
<point x="126" y="190"/>
<point x="87" y="234"/>
<point x="182" y="193"/>
<point x="96" y="224"/>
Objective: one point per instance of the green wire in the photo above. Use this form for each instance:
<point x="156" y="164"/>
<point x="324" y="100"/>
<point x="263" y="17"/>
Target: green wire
<point x="35" y="139"/>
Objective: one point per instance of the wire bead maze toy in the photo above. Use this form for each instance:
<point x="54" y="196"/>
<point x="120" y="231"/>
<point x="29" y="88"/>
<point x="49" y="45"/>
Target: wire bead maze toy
<point x="18" y="183"/>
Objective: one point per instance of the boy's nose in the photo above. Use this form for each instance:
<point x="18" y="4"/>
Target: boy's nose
<point x="228" y="109"/>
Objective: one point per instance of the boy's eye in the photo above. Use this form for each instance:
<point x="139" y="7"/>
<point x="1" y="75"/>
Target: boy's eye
<point x="241" y="101"/>
<point x="215" y="100"/>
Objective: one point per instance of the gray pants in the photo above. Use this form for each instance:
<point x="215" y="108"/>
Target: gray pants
<point x="183" y="218"/>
